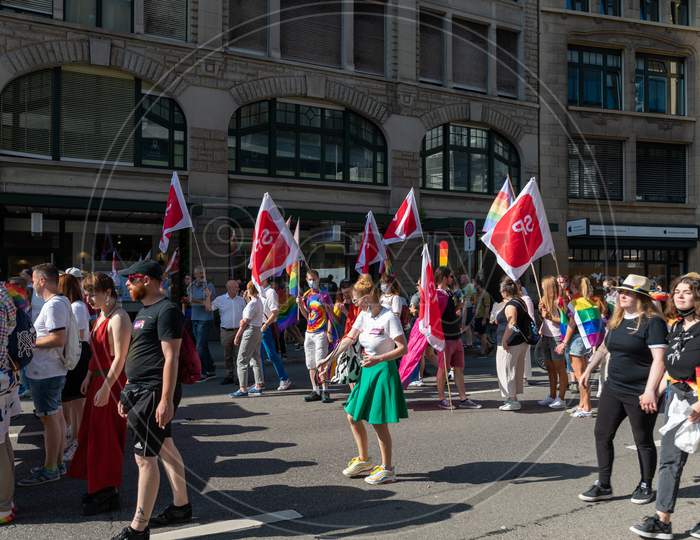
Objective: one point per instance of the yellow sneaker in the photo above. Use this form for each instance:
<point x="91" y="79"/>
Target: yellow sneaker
<point x="380" y="475"/>
<point x="356" y="467"/>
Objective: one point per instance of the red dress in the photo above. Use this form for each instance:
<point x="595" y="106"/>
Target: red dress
<point x="100" y="454"/>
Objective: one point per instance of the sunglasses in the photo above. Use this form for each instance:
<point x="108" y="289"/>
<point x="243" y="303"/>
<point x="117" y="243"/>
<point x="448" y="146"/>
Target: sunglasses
<point x="135" y="277"/>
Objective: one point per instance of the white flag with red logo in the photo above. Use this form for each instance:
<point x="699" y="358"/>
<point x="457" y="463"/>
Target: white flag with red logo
<point x="406" y="222"/>
<point x="522" y="235"/>
<point x="429" y="316"/>
<point x="176" y="214"/>
<point x="372" y="249"/>
<point x="274" y="247"/>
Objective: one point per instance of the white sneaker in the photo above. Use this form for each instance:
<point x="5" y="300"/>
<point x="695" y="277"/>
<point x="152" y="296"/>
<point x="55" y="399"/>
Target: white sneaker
<point x="511" y="406"/>
<point x="380" y="475"/>
<point x="557" y="404"/>
<point x="285" y="385"/>
<point x="417" y="382"/>
<point x="582" y="414"/>
<point x="546" y="401"/>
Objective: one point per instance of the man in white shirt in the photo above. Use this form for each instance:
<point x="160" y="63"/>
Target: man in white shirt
<point x="46" y="373"/>
<point x="271" y="308"/>
<point x="230" y="307"/>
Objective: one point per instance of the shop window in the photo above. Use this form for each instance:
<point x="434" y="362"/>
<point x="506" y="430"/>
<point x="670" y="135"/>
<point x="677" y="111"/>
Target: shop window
<point x="649" y="10"/>
<point x="577" y="5"/>
<point x="470" y="64"/>
<point x="661" y="172"/>
<point x="166" y="18"/>
<point x="298" y="140"/>
<point x="369" y="36"/>
<point x="248" y="25"/>
<point x="507" y="56"/>
<point x="660" y="85"/>
<point x="680" y="12"/>
<point x="43" y="7"/>
<point x="311" y="31"/>
<point x="115" y="15"/>
<point x="595" y="169"/>
<point x="594" y="78"/>
<point x="128" y="247"/>
<point x="468" y="159"/>
<point x="432" y="47"/>
<point x="610" y="7"/>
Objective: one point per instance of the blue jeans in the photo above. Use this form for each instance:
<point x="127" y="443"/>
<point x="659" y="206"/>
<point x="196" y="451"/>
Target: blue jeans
<point x="269" y="347"/>
<point x="200" y="329"/>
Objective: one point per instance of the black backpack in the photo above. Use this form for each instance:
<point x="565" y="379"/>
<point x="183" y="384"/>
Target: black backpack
<point x="22" y="340"/>
<point x="527" y="328"/>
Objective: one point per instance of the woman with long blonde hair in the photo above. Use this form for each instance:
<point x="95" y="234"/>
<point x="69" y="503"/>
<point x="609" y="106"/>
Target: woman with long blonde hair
<point x="546" y="348"/>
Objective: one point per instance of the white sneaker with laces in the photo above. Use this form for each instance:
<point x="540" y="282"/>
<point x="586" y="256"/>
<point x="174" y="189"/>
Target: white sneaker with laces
<point x="546" y="401"/>
<point x="381" y="475"/>
<point x="356" y="467"/>
<point x="285" y="385"/>
<point x="511" y="406"/>
<point x="557" y="404"/>
<point x="417" y="382"/>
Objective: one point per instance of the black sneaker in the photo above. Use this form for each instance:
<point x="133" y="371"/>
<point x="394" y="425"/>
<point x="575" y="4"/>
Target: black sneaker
<point x="172" y="515"/>
<point x="326" y="397"/>
<point x="313" y="396"/>
<point x="695" y="531"/>
<point x="643" y="494"/>
<point x="653" y="527"/>
<point x="127" y="533"/>
<point x="596" y="493"/>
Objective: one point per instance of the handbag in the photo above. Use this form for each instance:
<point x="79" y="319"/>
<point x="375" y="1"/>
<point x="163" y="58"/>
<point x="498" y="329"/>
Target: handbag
<point x="348" y="367"/>
<point x="527" y="331"/>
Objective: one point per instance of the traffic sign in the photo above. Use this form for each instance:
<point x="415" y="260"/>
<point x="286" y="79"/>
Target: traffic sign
<point x="469" y="235"/>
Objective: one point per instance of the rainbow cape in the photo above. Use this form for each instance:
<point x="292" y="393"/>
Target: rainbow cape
<point x="19" y="295"/>
<point x="588" y="321"/>
<point x="500" y="205"/>
<point x="287" y="314"/>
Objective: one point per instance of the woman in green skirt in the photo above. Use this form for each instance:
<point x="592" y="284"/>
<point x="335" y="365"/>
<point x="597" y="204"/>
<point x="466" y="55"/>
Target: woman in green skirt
<point x="377" y="398"/>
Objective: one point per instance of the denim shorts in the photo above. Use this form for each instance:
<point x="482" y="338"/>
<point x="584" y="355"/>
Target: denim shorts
<point x="578" y="348"/>
<point x="46" y="394"/>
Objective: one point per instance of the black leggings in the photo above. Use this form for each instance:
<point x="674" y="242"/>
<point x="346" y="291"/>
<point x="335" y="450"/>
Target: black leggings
<point x="611" y="412"/>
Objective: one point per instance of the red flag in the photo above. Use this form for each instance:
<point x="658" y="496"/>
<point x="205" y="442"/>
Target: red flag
<point x="522" y="235"/>
<point x="274" y="247"/>
<point x="372" y="248"/>
<point x="406" y="223"/>
<point x="174" y="263"/>
<point x="429" y="316"/>
<point x="176" y="214"/>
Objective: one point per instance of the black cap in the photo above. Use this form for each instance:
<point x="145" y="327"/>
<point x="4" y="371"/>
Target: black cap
<point x="147" y="268"/>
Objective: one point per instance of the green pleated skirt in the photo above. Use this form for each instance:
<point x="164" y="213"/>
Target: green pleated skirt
<point x="378" y="398"/>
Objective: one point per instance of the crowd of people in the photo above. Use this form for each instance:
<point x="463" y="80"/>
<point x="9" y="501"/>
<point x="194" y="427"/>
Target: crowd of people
<point x="96" y="373"/>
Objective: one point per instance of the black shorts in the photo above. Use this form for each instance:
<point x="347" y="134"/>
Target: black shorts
<point x="479" y="326"/>
<point x="141" y="403"/>
<point x="76" y="376"/>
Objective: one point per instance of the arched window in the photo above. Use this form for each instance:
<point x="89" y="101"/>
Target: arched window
<point x="296" y="139"/>
<point x="81" y="113"/>
<point x="466" y="158"/>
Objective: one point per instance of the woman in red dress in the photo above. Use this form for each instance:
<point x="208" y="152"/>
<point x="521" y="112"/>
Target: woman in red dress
<point x="102" y="434"/>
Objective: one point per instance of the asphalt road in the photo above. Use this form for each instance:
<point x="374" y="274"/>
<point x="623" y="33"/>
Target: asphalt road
<point x="462" y="474"/>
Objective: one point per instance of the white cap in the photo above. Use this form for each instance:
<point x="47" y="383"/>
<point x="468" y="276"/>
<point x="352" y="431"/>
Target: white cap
<point x="75" y="272"/>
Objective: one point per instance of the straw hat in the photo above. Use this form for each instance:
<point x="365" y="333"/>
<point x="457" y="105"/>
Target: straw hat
<point x="636" y="284"/>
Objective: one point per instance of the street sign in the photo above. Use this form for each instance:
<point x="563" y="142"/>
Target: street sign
<point x="469" y="235"/>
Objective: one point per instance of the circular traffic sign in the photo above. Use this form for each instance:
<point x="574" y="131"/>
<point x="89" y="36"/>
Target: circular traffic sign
<point x="469" y="229"/>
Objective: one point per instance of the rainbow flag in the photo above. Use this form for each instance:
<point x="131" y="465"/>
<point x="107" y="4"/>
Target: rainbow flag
<point x="293" y="270"/>
<point x="588" y="321"/>
<point x="499" y="206"/>
<point x="19" y="295"/>
<point x="288" y="314"/>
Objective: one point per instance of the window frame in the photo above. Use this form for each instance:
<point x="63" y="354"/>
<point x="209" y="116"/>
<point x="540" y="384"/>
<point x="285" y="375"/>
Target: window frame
<point x="272" y="127"/>
<point x="443" y="43"/>
<point x="581" y="159"/>
<point x="676" y="6"/>
<point x="493" y="184"/>
<point x="669" y="149"/>
<point x="646" y="15"/>
<point x="605" y="5"/>
<point x="98" y="16"/>
<point x="605" y="70"/>
<point x="644" y="76"/>
<point x="585" y="5"/>
<point x="21" y="9"/>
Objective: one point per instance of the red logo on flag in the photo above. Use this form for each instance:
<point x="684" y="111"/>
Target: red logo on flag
<point x="517" y="234"/>
<point x="406" y="223"/>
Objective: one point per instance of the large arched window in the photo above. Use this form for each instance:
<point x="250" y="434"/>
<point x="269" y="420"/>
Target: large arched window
<point x="81" y="113"/>
<point x="297" y="139"/>
<point x="466" y="158"/>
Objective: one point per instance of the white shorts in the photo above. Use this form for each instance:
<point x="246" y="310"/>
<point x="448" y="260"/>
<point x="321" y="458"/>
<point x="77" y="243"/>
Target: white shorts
<point x="9" y="406"/>
<point x="316" y="349"/>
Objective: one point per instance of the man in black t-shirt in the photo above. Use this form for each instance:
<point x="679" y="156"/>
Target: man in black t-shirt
<point x="150" y="398"/>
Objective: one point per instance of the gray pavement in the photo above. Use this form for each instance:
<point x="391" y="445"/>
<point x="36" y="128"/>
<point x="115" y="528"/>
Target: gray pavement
<point x="463" y="474"/>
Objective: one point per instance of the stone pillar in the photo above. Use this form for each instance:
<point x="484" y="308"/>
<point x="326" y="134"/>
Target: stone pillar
<point x="209" y="22"/>
<point x="407" y="38"/>
<point x="493" y="62"/>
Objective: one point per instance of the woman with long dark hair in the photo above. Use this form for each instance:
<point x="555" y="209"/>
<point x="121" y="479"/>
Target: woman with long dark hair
<point x="682" y="363"/>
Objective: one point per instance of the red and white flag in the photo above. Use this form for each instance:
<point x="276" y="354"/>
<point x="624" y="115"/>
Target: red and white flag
<point x="429" y="316"/>
<point x="174" y="263"/>
<point x="274" y="247"/>
<point x="522" y="235"/>
<point x="406" y="222"/>
<point x="176" y="214"/>
<point x="372" y="249"/>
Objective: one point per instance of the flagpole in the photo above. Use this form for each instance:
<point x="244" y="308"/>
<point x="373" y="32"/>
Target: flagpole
<point x="199" y="254"/>
<point x="556" y="263"/>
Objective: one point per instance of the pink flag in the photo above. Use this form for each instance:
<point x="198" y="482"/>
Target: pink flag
<point x="429" y="316"/>
<point x="176" y="214"/>
<point x="414" y="352"/>
<point x="274" y="247"/>
<point x="406" y="222"/>
<point x="372" y="249"/>
<point x="522" y="235"/>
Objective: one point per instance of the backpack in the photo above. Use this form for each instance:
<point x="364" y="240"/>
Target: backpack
<point x="189" y="370"/>
<point x="22" y="340"/>
<point x="528" y="328"/>
<point x="72" y="349"/>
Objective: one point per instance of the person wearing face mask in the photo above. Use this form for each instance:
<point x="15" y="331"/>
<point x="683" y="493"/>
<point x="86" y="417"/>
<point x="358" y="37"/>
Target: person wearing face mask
<point x="391" y="295"/>
<point x="316" y="307"/>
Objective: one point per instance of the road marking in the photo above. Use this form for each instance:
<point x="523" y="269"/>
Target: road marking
<point x="228" y="526"/>
<point x="634" y="446"/>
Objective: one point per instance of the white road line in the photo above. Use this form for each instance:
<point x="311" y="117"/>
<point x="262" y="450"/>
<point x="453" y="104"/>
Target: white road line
<point x="634" y="446"/>
<point x="227" y="526"/>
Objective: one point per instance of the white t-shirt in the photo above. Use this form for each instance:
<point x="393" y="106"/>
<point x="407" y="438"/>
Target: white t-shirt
<point x="377" y="334"/>
<point x="37" y="304"/>
<point x="253" y="312"/>
<point x="230" y="310"/>
<point x="82" y="316"/>
<point x="392" y="302"/>
<point x="47" y="363"/>
<point x="270" y="301"/>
